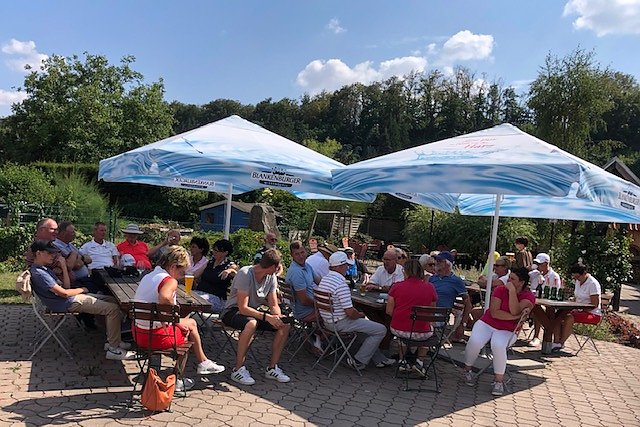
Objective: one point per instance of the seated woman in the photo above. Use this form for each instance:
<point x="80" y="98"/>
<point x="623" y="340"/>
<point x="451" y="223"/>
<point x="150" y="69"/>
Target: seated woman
<point x="403" y="296"/>
<point x="428" y="263"/>
<point x="497" y="324"/>
<point x="199" y="248"/>
<point x="213" y="279"/>
<point x="159" y="286"/>
<point x="587" y="291"/>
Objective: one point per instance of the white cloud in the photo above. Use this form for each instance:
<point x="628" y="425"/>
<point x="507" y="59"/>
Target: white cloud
<point x="605" y="16"/>
<point x="26" y="53"/>
<point x="519" y="85"/>
<point x="334" y="26"/>
<point x="321" y="75"/>
<point x="466" y="46"/>
<point x="8" y="97"/>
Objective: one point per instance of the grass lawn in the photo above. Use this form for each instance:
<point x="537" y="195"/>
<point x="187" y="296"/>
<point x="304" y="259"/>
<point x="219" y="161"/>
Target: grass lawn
<point x="8" y="293"/>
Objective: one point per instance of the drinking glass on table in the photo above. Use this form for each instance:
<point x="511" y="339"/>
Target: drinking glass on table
<point x="363" y="288"/>
<point x="188" y="283"/>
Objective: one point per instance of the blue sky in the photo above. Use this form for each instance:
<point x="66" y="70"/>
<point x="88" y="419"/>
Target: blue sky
<point x="252" y="50"/>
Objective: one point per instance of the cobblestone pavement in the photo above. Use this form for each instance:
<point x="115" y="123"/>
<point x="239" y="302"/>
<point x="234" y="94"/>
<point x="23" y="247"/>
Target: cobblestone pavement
<point x="588" y="390"/>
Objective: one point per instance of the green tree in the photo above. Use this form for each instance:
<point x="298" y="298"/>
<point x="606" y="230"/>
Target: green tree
<point x="84" y="109"/>
<point x="569" y="98"/>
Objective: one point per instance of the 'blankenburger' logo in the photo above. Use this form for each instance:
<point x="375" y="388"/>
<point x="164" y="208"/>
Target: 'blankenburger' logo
<point x="628" y="199"/>
<point x="198" y="184"/>
<point x="277" y="177"/>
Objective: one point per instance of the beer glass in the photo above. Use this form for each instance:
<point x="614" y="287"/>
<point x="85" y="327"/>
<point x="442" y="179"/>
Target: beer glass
<point x="188" y="283"/>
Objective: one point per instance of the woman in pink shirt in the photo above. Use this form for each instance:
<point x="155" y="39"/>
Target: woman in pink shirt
<point x="497" y="324"/>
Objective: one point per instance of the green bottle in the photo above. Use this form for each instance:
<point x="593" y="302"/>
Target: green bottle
<point x="545" y="293"/>
<point x="553" y="293"/>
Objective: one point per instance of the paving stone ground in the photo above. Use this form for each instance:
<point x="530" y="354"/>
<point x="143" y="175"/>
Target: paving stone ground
<point x="588" y="390"/>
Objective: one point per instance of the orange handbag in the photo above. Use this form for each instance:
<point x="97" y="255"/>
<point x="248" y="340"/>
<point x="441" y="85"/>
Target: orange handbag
<point x="156" y="393"/>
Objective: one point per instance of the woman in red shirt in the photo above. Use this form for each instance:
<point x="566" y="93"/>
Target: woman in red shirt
<point x="403" y="296"/>
<point x="497" y="324"/>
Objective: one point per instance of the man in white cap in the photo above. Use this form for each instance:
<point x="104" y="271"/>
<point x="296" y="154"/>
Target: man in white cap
<point x="348" y="319"/>
<point x="131" y="245"/>
<point x="546" y="277"/>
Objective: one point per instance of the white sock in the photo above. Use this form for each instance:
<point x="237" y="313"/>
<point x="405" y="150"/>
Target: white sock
<point x="556" y="345"/>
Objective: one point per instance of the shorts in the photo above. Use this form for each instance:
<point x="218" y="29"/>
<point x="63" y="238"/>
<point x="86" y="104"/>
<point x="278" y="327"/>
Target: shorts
<point x="161" y="338"/>
<point x="580" y="316"/>
<point x="418" y="336"/>
<point x="238" y="321"/>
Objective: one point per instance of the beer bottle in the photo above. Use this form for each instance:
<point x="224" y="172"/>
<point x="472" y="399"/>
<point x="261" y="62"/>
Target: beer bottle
<point x="539" y="291"/>
<point x="553" y="293"/>
<point x="545" y="293"/>
<point x="561" y="294"/>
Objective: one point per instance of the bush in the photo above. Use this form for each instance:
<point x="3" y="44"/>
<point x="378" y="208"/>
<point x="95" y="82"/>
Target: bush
<point x="24" y="185"/>
<point x="80" y="201"/>
<point x="14" y="241"/>
<point x="605" y="251"/>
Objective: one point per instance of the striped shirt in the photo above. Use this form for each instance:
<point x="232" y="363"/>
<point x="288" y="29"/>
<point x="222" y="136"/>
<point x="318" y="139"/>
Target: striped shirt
<point x="335" y="283"/>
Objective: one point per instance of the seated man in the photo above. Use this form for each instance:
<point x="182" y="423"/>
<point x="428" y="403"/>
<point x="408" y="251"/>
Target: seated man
<point x="47" y="230"/>
<point x="587" y="291"/>
<point x="252" y="287"/>
<point x="99" y="251"/>
<point x="348" y="319"/>
<point x="76" y="262"/>
<point x="59" y="298"/>
<point x="319" y="261"/>
<point x="132" y="246"/>
<point x="448" y="287"/>
<point x="300" y="278"/>
<point x="388" y="273"/>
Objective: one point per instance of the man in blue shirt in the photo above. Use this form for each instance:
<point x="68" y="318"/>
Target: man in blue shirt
<point x="58" y="297"/>
<point x="448" y="287"/>
<point x="301" y="279"/>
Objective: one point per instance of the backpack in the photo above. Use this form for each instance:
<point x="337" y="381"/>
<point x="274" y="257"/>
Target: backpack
<point x="23" y="285"/>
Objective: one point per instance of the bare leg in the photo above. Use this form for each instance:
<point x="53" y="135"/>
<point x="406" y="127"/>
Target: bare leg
<point x="567" y="329"/>
<point x="279" y="341"/>
<point x="244" y="340"/>
<point x="194" y="337"/>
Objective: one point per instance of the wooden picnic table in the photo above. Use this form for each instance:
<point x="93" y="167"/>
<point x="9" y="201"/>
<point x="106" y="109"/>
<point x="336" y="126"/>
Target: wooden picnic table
<point x="549" y="316"/>
<point x="124" y="290"/>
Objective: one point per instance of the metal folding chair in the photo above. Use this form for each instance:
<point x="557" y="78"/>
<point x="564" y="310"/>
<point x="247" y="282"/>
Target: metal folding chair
<point x="167" y="314"/>
<point x="439" y="318"/>
<point x="605" y="301"/>
<point x="338" y="344"/>
<point x="450" y="328"/>
<point x="49" y="328"/>
<point x="302" y="332"/>
<point x="524" y="317"/>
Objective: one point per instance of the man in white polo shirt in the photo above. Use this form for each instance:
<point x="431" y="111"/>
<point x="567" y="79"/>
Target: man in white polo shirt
<point x="102" y="252"/>
<point x="347" y="319"/>
<point x="387" y="274"/>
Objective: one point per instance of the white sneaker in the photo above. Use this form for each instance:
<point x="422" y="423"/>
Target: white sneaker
<point x="242" y="376"/>
<point x="123" y="345"/>
<point x="534" y="342"/>
<point x="209" y="367"/>
<point x="385" y="363"/>
<point x="185" y="384"/>
<point x="403" y="366"/>
<point x="419" y="368"/>
<point x="276" y="373"/>
<point x="114" y="353"/>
